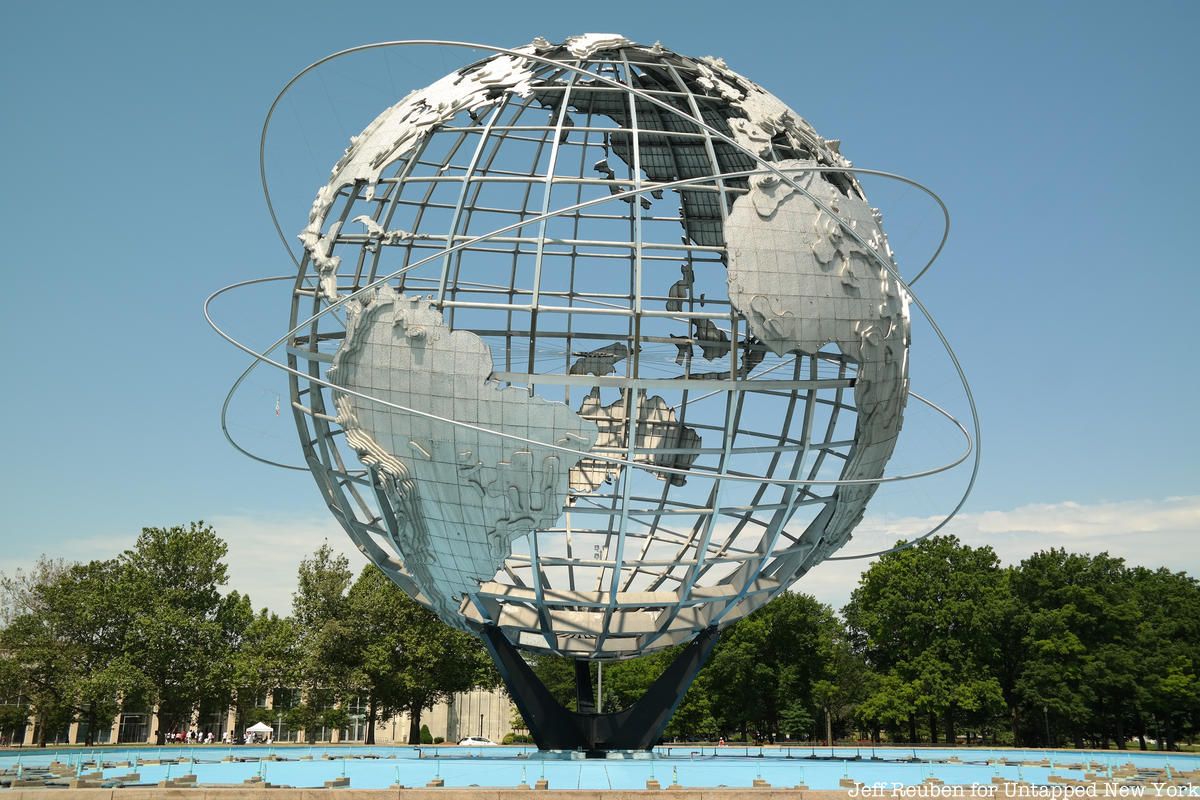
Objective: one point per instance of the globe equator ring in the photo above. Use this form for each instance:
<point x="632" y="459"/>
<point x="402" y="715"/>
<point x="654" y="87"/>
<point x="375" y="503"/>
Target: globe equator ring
<point x="260" y="357"/>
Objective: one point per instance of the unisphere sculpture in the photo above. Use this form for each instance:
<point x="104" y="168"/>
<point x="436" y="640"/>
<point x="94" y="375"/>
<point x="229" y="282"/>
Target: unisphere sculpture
<point x="618" y="353"/>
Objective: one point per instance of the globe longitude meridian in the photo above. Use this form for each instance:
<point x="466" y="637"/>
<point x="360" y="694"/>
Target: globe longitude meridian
<point x="655" y="342"/>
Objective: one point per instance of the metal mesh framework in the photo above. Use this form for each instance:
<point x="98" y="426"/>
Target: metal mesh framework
<point x="606" y="306"/>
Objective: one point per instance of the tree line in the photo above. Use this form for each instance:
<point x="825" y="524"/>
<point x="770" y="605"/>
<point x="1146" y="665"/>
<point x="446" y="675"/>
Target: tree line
<point x="939" y="643"/>
<point x="151" y="629"/>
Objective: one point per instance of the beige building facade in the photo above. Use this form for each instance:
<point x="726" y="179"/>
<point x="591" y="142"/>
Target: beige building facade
<point x="480" y="712"/>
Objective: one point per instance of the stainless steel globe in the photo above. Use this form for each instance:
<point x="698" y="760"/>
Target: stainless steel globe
<point x="622" y="353"/>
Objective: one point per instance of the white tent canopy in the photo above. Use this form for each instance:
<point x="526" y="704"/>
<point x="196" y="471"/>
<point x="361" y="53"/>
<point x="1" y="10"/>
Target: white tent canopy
<point x="259" y="727"/>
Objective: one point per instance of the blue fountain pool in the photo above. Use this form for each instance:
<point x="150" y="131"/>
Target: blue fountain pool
<point x="381" y="767"/>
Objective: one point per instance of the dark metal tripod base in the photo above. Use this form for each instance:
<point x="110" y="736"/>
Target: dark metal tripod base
<point x="554" y="727"/>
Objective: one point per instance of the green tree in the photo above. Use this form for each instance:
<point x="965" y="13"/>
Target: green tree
<point x="1011" y="641"/>
<point x="846" y="685"/>
<point x="92" y="624"/>
<point x="33" y="664"/>
<point x="558" y="675"/>
<point x="740" y="680"/>
<point x="178" y="632"/>
<point x="22" y="593"/>
<point x="319" y="613"/>
<point x="796" y="720"/>
<point x="326" y="659"/>
<point x="929" y="617"/>
<point x="376" y="653"/>
<point x="267" y="656"/>
<point x="33" y="649"/>
<point x="64" y="643"/>
<point x="765" y="666"/>
<point x="401" y="655"/>
<point x="626" y="682"/>
<point x="1167" y="655"/>
<point x="888" y="704"/>
<point x="13" y="719"/>
<point x="693" y="720"/>
<point x="1079" y="675"/>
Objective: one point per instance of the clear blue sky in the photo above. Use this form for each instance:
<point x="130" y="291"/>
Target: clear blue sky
<point x="1061" y="135"/>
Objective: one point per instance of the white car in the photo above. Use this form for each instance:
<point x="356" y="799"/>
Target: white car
<point x="476" y="741"/>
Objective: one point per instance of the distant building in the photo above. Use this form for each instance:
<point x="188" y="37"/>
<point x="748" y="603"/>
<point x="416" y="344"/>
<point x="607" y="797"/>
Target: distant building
<point x="475" y="713"/>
